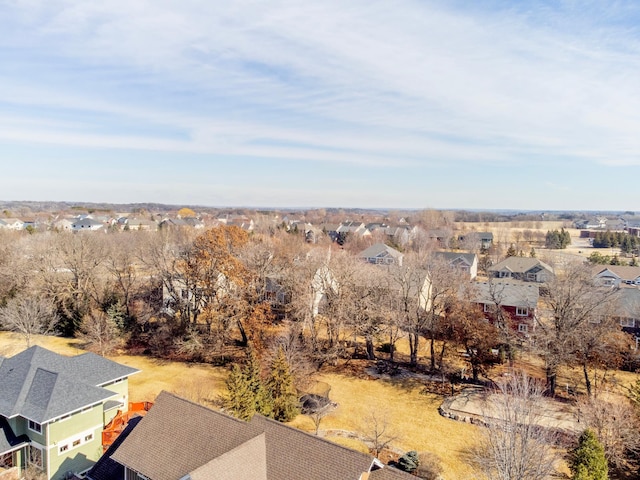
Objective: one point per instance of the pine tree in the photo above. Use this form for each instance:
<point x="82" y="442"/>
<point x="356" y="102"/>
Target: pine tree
<point x="263" y="403"/>
<point x="240" y="401"/>
<point x="588" y="461"/>
<point x="532" y="253"/>
<point x="283" y="392"/>
<point x="511" y="251"/>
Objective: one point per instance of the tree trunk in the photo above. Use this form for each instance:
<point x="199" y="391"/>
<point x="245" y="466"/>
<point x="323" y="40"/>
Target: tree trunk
<point x="413" y="349"/>
<point x="432" y="352"/>
<point x="392" y="348"/>
<point x="371" y="355"/>
<point x="552" y="375"/>
<point x="245" y="341"/>
<point x="587" y="380"/>
<point x="441" y="356"/>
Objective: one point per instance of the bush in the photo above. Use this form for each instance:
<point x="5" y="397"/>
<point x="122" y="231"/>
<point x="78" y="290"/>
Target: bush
<point x="429" y="466"/>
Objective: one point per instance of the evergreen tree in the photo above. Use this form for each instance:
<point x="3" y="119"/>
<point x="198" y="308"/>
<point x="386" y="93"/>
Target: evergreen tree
<point x="511" y="252"/>
<point x="409" y="462"/>
<point x="240" y="401"/>
<point x="588" y="461"/>
<point x="263" y="403"/>
<point x="532" y="253"/>
<point x="283" y="392"/>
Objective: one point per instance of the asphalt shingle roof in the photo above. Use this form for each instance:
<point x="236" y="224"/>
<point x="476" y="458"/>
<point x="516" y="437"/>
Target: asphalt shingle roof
<point x="179" y="438"/>
<point x="41" y="385"/>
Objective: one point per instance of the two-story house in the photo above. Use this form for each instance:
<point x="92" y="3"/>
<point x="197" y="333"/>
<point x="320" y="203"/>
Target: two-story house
<point x="526" y="269"/>
<point x="465" y="262"/>
<point x="53" y="409"/>
<point x="381" y="254"/>
<point x="514" y="304"/>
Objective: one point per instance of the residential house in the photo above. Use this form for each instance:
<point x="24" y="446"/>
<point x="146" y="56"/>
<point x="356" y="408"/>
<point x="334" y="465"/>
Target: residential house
<point x="381" y="254"/>
<point x="63" y="224"/>
<point x="616" y="275"/>
<point x="593" y="223"/>
<point x="141" y="224"/>
<point x="526" y="269"/>
<point x="180" y="440"/>
<point x="517" y="303"/>
<point x="86" y="224"/>
<point x="628" y="312"/>
<point x="472" y="240"/>
<point x="465" y="262"/>
<point x="11" y="223"/>
<point x="53" y="409"/>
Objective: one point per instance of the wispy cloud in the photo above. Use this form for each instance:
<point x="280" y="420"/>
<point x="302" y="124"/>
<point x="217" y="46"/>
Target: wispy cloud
<point x="372" y="84"/>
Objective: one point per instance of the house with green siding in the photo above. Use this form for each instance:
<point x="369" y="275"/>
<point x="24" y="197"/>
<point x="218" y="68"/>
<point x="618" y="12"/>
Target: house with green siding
<point x="54" y="408"/>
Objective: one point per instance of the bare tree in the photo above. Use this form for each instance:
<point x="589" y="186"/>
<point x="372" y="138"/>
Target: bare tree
<point x="515" y="444"/>
<point x="377" y="431"/>
<point x="616" y="425"/>
<point x="575" y="304"/>
<point x="28" y="316"/>
<point x="101" y="332"/>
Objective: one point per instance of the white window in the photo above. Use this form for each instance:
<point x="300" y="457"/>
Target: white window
<point x="522" y="311"/>
<point x="523" y="328"/>
<point x="88" y="438"/>
<point x="627" y="322"/>
<point x="637" y="342"/>
<point x="487" y="307"/>
<point x="35" y="426"/>
<point x="63" y="448"/>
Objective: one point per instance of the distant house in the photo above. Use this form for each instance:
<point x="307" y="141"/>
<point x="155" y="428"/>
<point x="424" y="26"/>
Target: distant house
<point x="628" y="312"/>
<point x="63" y="225"/>
<point x="11" y="223"/>
<point x="484" y="240"/>
<point x="141" y="224"/>
<point x="616" y="275"/>
<point x="593" y="223"/>
<point x="217" y="446"/>
<point x="525" y="269"/>
<point x="517" y="303"/>
<point x="466" y="262"/>
<point x="86" y="224"/>
<point x="381" y="254"/>
<point x="53" y="410"/>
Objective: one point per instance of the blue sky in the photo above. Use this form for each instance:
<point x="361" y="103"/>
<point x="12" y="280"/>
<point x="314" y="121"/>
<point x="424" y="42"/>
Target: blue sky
<point x="359" y="103"/>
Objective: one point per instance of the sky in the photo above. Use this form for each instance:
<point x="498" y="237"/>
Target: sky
<point x="357" y="103"/>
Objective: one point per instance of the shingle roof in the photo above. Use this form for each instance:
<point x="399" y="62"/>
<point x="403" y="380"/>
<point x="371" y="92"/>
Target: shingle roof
<point x="625" y="272"/>
<point x="519" y="264"/>
<point x="378" y="249"/>
<point x="175" y="426"/>
<point x="506" y="294"/>
<point x="41" y="385"/>
<point x="179" y="438"/>
<point x="106" y="468"/>
<point x="470" y="258"/>
<point x="293" y="455"/>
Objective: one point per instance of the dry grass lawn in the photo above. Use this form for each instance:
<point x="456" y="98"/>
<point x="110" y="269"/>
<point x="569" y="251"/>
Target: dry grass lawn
<point x="413" y="417"/>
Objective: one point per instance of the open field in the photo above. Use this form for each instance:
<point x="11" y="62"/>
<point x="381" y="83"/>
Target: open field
<point x="412" y="416"/>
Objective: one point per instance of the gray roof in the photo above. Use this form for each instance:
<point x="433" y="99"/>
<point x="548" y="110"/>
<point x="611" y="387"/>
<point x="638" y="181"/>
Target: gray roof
<point x="519" y="265"/>
<point x="41" y="385"/>
<point x="378" y="249"/>
<point x="470" y="258"/>
<point x="506" y="294"/>
<point x="215" y="442"/>
<point x="628" y="302"/>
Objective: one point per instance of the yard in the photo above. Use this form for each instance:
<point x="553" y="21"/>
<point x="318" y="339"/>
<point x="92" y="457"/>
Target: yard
<point x="412" y="416"/>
